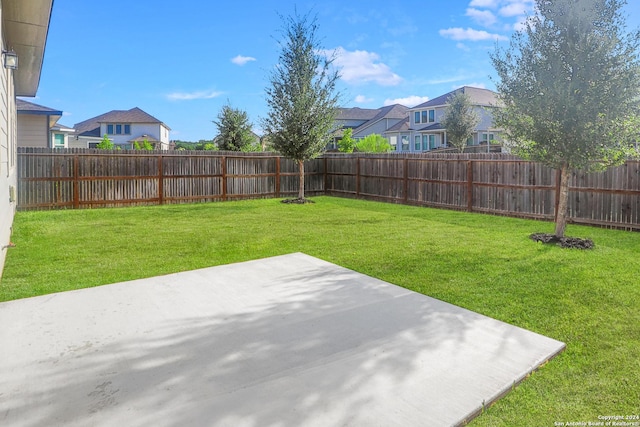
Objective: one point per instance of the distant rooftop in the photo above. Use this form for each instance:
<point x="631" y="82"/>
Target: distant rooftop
<point x="478" y="96"/>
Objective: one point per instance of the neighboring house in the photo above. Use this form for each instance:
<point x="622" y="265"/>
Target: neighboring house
<point x="24" y="25"/>
<point x="124" y="128"/>
<point x="38" y="126"/>
<point x="366" y="121"/>
<point x="421" y="130"/>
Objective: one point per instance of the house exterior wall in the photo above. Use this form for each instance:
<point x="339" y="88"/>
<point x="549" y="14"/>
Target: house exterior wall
<point x="378" y="127"/>
<point x="33" y="130"/>
<point x="80" y="142"/>
<point x="8" y="155"/>
<point x="52" y="139"/>
<point x="155" y="130"/>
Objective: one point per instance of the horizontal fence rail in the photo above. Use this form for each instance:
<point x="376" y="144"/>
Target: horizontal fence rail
<point x="490" y="183"/>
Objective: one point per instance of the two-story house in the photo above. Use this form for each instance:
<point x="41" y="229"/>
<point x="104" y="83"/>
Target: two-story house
<point x="124" y="128"/>
<point x="422" y="131"/>
<point x="367" y="121"/>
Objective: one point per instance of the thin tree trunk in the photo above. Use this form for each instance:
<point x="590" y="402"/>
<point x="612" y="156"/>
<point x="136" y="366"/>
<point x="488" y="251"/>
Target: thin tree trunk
<point x="563" y="202"/>
<point x="301" y="184"/>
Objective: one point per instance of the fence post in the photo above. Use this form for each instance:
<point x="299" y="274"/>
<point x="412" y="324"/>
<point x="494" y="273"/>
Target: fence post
<point x="277" y="192"/>
<point x="357" y="176"/>
<point x="76" y="182"/>
<point x="324" y="180"/>
<point x="557" y="195"/>
<point x="224" y="177"/>
<point x="470" y="186"/>
<point x="405" y="181"/>
<point x="160" y="179"/>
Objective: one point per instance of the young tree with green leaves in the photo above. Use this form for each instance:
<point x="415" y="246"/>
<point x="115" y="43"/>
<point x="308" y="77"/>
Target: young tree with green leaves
<point x="146" y="145"/>
<point x="373" y="143"/>
<point x="460" y="119"/>
<point x="347" y="144"/>
<point x="106" y="143"/>
<point x="234" y="129"/>
<point x="301" y="96"/>
<point x="570" y="85"/>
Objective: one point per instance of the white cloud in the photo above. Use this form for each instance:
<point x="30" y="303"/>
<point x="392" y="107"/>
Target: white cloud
<point x="409" y="101"/>
<point x="241" y="60"/>
<point x="361" y="99"/>
<point x="188" y="96"/>
<point x="470" y="34"/>
<point x="517" y="8"/>
<point x="521" y="24"/>
<point x="485" y="18"/>
<point x="66" y="113"/>
<point x="360" y="66"/>
<point x="484" y="3"/>
<point x="454" y="78"/>
<point x="463" y="46"/>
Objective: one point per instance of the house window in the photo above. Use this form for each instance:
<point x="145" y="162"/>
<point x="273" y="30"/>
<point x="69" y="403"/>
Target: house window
<point x="416" y="117"/>
<point x="92" y="144"/>
<point x="393" y="140"/>
<point x="58" y="140"/>
<point x="432" y="142"/>
<point x="118" y="129"/>
<point x="432" y="116"/>
<point x="424" y="117"/>
<point x="425" y="143"/>
<point x="486" y="138"/>
<point x="416" y="145"/>
<point x="405" y="143"/>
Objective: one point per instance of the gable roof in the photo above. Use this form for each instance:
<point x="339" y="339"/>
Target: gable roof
<point x="478" y="96"/>
<point x="26" y="107"/>
<point x="356" y="113"/>
<point x="401" y="126"/>
<point x="393" y="112"/>
<point x="91" y="127"/>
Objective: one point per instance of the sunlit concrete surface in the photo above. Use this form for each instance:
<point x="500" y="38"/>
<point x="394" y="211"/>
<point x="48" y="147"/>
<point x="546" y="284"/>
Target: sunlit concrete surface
<point x="284" y="341"/>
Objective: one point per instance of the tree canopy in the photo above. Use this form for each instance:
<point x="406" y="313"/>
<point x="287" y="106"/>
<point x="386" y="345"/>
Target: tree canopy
<point x="234" y="129"/>
<point x="373" y="143"/>
<point x="570" y="85"/>
<point x="460" y="119"/>
<point x="301" y="95"/>
<point x="347" y="144"/>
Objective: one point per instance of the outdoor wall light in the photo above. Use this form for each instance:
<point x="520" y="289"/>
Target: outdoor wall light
<point x="10" y="59"/>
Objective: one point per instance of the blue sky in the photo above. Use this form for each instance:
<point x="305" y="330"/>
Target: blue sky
<point x="182" y="61"/>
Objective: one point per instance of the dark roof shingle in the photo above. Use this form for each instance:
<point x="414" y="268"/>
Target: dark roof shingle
<point x="27" y="107"/>
<point x="478" y="96"/>
<point x="134" y="115"/>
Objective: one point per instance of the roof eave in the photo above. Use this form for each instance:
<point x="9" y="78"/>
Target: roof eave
<point x="26" y="25"/>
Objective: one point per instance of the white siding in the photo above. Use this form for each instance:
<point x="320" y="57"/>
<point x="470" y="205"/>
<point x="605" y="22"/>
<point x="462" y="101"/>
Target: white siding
<point x="378" y="127"/>
<point x="33" y="130"/>
<point x="8" y="137"/>
<point x="137" y="130"/>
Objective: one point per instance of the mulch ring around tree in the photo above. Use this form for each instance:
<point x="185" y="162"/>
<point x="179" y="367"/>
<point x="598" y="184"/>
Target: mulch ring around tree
<point x="298" y="201"/>
<point x="564" y="242"/>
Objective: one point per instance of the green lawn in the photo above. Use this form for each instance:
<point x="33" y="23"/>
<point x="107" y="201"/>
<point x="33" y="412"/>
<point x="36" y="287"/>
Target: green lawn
<point x="588" y="299"/>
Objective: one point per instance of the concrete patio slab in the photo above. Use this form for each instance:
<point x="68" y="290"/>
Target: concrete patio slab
<point x="284" y="341"/>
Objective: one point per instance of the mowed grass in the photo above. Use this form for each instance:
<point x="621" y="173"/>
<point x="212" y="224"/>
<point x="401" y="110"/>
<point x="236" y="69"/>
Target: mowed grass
<point x="588" y="299"/>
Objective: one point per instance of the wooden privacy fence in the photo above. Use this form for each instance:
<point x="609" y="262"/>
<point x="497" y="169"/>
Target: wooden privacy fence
<point x="490" y="183"/>
<point x="50" y="179"/>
